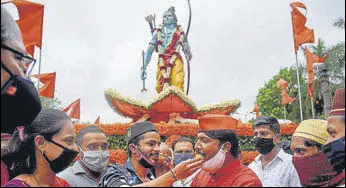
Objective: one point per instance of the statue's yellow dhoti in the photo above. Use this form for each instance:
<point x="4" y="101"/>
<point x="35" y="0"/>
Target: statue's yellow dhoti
<point x="176" y="78"/>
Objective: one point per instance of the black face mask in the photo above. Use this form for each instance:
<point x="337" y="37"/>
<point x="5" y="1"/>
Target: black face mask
<point x="20" y="102"/>
<point x="63" y="160"/>
<point x="335" y="152"/>
<point x="264" y="145"/>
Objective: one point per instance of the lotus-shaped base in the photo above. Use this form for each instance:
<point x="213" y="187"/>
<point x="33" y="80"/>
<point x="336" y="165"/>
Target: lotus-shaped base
<point x="170" y="105"/>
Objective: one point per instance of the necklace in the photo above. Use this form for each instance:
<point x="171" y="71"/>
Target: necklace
<point x="38" y="182"/>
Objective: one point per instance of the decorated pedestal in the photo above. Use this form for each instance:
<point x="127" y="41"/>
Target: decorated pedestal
<point x="170" y="105"/>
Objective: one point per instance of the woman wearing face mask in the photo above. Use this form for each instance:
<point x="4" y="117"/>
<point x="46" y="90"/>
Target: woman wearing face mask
<point x="41" y="150"/>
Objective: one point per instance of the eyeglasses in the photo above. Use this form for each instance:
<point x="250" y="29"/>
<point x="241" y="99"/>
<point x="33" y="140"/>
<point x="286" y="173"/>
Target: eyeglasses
<point x="25" y="59"/>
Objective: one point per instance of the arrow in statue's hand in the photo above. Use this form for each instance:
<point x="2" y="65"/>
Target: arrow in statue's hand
<point x="143" y="72"/>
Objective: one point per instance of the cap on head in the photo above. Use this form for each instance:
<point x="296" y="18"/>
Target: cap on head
<point x="138" y="129"/>
<point x="215" y="122"/>
<point x="313" y="129"/>
<point x="338" y="107"/>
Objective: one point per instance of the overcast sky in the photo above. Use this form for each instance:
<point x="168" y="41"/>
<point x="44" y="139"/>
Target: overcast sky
<point x="237" y="46"/>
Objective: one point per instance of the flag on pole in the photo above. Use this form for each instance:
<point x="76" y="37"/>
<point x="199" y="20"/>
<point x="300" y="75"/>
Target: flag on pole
<point x="286" y="99"/>
<point x="301" y="33"/>
<point x="30" y="23"/>
<point x="97" y="121"/>
<point x="48" y="79"/>
<point x="282" y="84"/>
<point x="257" y="110"/>
<point x="73" y="110"/>
<point x="310" y="60"/>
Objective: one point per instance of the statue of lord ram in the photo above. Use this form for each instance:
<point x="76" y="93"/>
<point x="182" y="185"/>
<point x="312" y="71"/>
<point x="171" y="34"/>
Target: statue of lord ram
<point x="168" y="39"/>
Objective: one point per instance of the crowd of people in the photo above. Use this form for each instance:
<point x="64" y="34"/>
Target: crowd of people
<point x="41" y="151"/>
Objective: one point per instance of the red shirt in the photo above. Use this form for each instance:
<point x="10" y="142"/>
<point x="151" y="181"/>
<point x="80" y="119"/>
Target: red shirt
<point x="232" y="174"/>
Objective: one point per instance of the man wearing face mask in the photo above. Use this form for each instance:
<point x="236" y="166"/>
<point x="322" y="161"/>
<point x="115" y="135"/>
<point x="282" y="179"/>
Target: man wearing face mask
<point x="309" y="160"/>
<point x="183" y="150"/>
<point x="143" y="142"/>
<point x="273" y="166"/>
<point x="335" y="145"/>
<point x="94" y="158"/>
<point x="218" y="144"/>
<point x="20" y="102"/>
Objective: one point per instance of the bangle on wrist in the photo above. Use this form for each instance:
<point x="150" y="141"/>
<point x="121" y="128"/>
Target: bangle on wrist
<point x="175" y="177"/>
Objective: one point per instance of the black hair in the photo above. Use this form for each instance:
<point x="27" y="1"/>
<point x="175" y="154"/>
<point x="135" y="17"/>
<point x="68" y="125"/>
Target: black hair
<point x="311" y="143"/>
<point x="269" y="121"/>
<point x="134" y="141"/>
<point x="182" y="139"/>
<point x="86" y="130"/>
<point x="226" y="136"/>
<point x="20" y="157"/>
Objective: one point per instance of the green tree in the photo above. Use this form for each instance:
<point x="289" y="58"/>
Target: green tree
<point x="269" y="96"/>
<point x="51" y="103"/>
<point x="340" y="23"/>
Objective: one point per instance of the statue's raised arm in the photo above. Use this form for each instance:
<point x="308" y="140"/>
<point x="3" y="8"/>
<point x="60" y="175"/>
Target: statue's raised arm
<point x="169" y="39"/>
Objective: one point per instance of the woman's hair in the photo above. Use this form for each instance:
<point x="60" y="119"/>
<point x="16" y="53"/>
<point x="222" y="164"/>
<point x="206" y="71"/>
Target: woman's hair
<point x="20" y="157"/>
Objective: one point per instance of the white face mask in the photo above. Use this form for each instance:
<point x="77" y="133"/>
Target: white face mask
<point x="215" y="163"/>
<point x="95" y="161"/>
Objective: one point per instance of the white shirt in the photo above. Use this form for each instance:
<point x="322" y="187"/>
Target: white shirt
<point x="280" y="172"/>
<point x="187" y="182"/>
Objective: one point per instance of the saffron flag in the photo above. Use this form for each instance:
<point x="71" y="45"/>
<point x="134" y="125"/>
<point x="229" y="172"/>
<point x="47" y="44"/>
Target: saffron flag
<point x="30" y="23"/>
<point x="97" y="121"/>
<point x="282" y="84"/>
<point x="286" y="99"/>
<point x="301" y="33"/>
<point x="257" y="110"/>
<point x="47" y="90"/>
<point x="73" y="110"/>
<point x="310" y="60"/>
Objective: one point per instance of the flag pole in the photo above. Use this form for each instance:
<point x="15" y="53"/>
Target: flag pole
<point x="285" y="112"/>
<point x="312" y="108"/>
<point x="299" y="92"/>
<point x="39" y="64"/>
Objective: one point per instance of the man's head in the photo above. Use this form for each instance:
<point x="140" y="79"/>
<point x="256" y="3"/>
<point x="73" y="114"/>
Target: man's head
<point x="165" y="158"/>
<point x="10" y="36"/>
<point x="183" y="145"/>
<point x="166" y="152"/>
<point x="267" y="133"/>
<point x="336" y="119"/>
<point x="309" y="137"/>
<point x="92" y="142"/>
<point x="335" y="146"/>
<point x="217" y="131"/>
<point x="20" y="102"/>
<point x="169" y="17"/>
<point x="144" y="143"/>
<point x="92" y="138"/>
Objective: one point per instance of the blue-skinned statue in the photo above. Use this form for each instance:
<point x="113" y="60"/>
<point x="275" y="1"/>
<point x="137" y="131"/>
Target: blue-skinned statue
<point x="168" y="39"/>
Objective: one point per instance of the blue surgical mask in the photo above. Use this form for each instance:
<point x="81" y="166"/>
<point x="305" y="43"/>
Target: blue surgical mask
<point x="181" y="157"/>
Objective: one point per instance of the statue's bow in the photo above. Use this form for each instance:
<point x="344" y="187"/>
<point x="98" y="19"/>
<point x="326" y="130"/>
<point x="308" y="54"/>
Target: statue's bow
<point x="188" y="62"/>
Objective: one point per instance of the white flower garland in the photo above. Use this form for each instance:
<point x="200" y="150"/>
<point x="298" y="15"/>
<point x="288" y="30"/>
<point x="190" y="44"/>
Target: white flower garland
<point x="111" y="94"/>
<point x="224" y="104"/>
